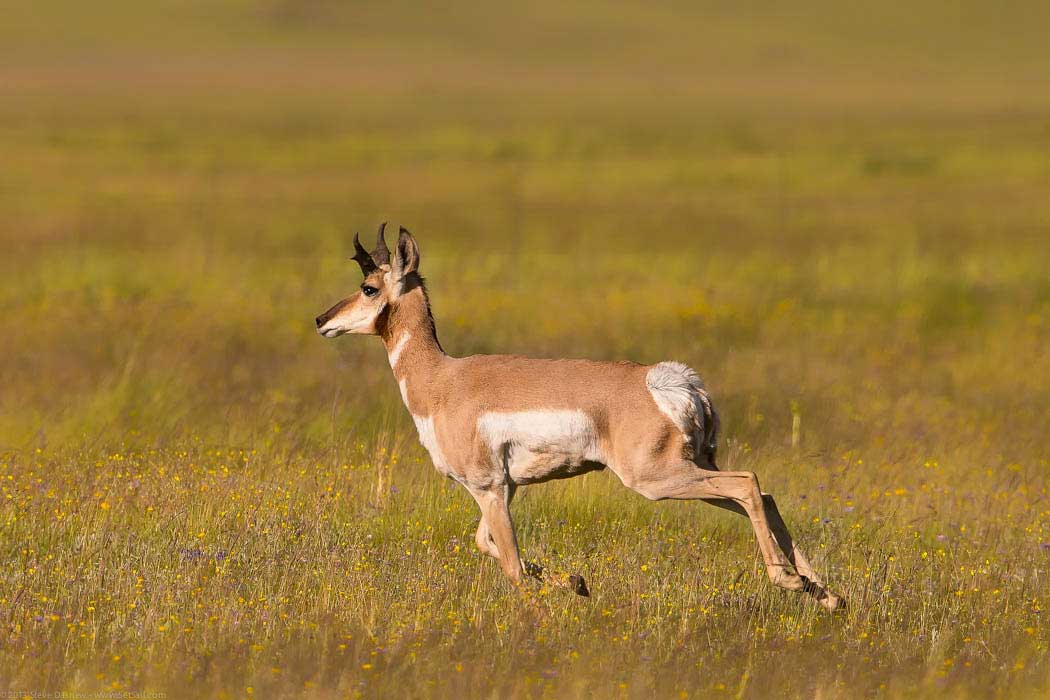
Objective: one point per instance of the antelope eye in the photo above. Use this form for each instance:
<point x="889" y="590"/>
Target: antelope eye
<point x="369" y="291"/>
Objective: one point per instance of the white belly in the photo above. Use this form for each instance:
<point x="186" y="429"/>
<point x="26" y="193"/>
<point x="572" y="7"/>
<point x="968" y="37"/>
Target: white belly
<point x="540" y="445"/>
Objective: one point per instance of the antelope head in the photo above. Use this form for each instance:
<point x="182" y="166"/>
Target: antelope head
<point x="386" y="279"/>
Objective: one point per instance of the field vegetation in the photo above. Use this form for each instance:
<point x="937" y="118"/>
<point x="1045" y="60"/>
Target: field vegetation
<point x="838" y="215"/>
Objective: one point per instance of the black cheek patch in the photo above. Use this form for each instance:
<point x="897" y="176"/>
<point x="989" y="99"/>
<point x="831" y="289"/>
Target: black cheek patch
<point x="383" y="319"/>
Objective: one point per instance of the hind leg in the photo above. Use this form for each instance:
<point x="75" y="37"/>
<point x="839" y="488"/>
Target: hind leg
<point x="684" y="480"/>
<point x="814" y="585"/>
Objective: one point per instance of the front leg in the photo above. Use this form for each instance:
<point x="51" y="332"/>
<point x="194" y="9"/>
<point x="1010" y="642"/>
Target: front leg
<point x="496" y="531"/>
<point x="483" y="538"/>
<point x="487" y="545"/>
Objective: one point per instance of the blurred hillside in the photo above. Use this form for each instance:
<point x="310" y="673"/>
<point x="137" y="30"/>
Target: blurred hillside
<point x="927" y="56"/>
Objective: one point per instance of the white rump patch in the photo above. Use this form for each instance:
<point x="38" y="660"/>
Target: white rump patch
<point x="680" y="395"/>
<point x="538" y="443"/>
<point x="395" y="354"/>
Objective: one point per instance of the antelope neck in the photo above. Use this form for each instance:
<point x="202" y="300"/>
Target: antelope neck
<point x="411" y="342"/>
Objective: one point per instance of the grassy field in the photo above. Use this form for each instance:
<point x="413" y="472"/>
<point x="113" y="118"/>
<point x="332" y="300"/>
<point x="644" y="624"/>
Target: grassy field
<point x="839" y="216"/>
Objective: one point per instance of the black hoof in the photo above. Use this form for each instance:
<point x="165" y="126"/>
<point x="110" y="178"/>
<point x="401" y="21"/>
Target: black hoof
<point x="825" y="597"/>
<point x="579" y="586"/>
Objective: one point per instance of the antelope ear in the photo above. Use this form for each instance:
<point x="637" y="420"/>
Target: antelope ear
<point x="406" y="255"/>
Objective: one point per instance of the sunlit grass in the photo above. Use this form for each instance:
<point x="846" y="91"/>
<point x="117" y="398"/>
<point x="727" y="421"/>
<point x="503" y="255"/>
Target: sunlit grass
<point x="220" y="567"/>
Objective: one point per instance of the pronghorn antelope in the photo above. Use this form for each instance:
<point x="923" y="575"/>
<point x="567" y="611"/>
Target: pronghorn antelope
<point x="496" y="422"/>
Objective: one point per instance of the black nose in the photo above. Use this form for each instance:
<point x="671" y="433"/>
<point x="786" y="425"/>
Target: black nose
<point x="320" y="321"/>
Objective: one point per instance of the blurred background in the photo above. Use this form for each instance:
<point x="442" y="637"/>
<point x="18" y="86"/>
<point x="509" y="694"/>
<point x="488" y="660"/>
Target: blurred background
<point x="181" y="181"/>
<point x="838" y="213"/>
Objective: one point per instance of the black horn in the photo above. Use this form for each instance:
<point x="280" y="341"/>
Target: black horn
<point x="381" y="254"/>
<point x="368" y="265"/>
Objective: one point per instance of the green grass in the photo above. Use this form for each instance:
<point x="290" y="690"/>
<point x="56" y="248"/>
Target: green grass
<point x="839" y="214"/>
